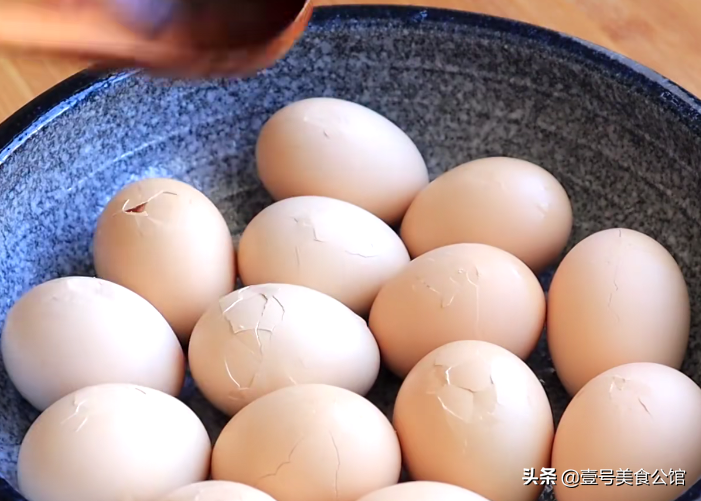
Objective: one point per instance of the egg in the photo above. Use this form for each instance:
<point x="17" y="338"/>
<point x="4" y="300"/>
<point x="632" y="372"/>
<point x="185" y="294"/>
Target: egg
<point x="462" y="291"/>
<point x="73" y="332"/>
<point x="325" y="244"/>
<point x="625" y="431"/>
<point x="110" y="443"/>
<point x="339" y="149"/>
<point x="618" y="297"/>
<point x="213" y="490"/>
<point x="265" y="337"/>
<point x="169" y="243"/>
<point x="504" y="202"/>
<point x="422" y="491"/>
<point x="474" y="415"/>
<point x="309" y="443"/>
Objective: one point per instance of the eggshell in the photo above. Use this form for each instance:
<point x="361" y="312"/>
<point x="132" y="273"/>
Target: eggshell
<point x="309" y="443"/>
<point x="504" y="202"/>
<point x="325" y="244"/>
<point x="265" y="337"/>
<point x="618" y="297"/>
<point x="169" y="243"/>
<point x="474" y="415"/>
<point x="463" y="291"/>
<point x="422" y="491"/>
<point x="110" y="443"/>
<point x="69" y="333"/>
<point x="213" y="490"/>
<point x="640" y="417"/>
<point x="339" y="149"/>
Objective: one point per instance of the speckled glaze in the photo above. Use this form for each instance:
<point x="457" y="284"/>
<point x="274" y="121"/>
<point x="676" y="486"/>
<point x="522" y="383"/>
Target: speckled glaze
<point x="625" y="143"/>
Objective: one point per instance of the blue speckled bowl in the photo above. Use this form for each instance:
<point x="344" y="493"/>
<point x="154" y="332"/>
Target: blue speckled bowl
<point x="625" y="142"/>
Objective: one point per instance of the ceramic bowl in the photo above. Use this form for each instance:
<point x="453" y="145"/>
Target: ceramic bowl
<point x="625" y="143"/>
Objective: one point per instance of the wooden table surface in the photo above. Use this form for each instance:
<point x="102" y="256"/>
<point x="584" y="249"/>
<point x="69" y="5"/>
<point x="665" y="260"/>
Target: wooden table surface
<point x="663" y="34"/>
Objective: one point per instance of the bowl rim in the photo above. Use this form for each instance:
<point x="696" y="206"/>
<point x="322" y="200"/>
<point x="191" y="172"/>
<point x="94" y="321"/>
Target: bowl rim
<point x="664" y="92"/>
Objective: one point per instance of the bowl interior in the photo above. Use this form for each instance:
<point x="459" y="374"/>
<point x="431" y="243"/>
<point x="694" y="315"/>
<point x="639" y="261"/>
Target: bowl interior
<point x="620" y="139"/>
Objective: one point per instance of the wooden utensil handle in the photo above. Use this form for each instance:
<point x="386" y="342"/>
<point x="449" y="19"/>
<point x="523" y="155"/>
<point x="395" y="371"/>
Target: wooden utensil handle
<point x="196" y="40"/>
<point x="77" y="28"/>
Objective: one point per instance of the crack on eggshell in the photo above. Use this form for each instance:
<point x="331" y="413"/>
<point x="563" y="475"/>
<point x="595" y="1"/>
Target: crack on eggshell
<point x="249" y="293"/>
<point x="457" y="281"/>
<point x="619" y="258"/>
<point x="239" y="393"/>
<point x="287" y="462"/>
<point x="483" y="398"/>
<point x="640" y="401"/>
<point x="268" y="293"/>
<point x="629" y="394"/>
<point x="358" y="246"/>
<point x="338" y="464"/>
<point x="139" y="208"/>
<point x="306" y="221"/>
<point x="79" y="405"/>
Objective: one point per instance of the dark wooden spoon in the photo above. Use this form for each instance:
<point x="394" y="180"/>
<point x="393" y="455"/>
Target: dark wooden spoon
<point x="179" y="37"/>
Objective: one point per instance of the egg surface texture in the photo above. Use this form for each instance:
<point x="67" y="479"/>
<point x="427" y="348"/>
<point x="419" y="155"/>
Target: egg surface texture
<point x="213" y="490"/>
<point x="636" y="427"/>
<point x="473" y="414"/>
<point x="338" y="149"/>
<point x="309" y="443"/>
<point x="265" y="337"/>
<point x="328" y="245"/>
<point x="169" y="243"/>
<point x="110" y="443"/>
<point x="463" y="291"/>
<point x="69" y="333"/>
<point x="504" y="202"/>
<point x="423" y="491"/>
<point x="618" y="297"/>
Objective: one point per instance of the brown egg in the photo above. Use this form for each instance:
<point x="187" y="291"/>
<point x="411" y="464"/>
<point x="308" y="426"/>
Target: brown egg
<point x="309" y="443"/>
<point x="618" y="297"/>
<point x="463" y="291"/>
<point x="474" y="415"/>
<point x="265" y="337"/>
<point x="322" y="243"/>
<point x="169" y="243"/>
<point x="339" y="149"/>
<point x="217" y="490"/>
<point x="73" y="332"/>
<point x="113" y="442"/>
<point x="504" y="202"/>
<point x="625" y="431"/>
<point x="423" y="491"/>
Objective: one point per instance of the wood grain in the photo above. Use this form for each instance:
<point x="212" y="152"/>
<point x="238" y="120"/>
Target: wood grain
<point x="664" y="35"/>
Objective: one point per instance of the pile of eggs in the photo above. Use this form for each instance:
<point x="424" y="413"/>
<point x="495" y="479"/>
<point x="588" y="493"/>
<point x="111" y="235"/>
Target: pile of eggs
<point x="451" y="303"/>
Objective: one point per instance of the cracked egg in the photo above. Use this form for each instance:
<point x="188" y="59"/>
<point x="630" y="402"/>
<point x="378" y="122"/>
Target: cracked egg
<point x="113" y="441"/>
<point x="642" y="418"/>
<point x="265" y="337"/>
<point x="339" y="149"/>
<point x="169" y="243"/>
<point x="322" y="243"/>
<point x="618" y="297"/>
<point x="73" y="332"/>
<point x="309" y="443"/>
<point x="505" y="202"/>
<point x="462" y="291"/>
<point x="473" y="414"/>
